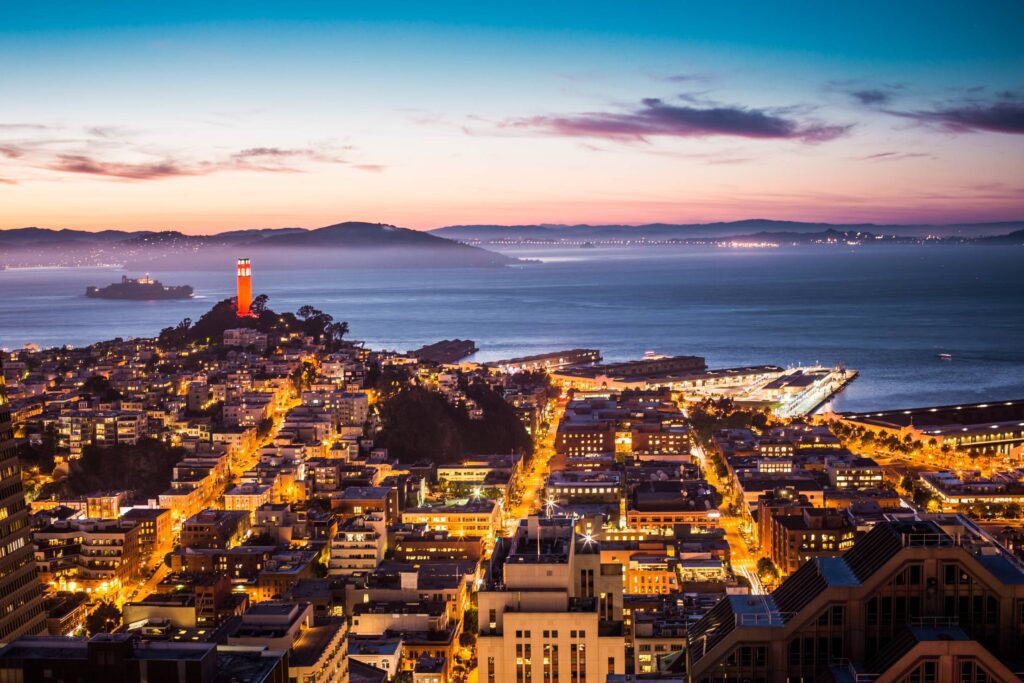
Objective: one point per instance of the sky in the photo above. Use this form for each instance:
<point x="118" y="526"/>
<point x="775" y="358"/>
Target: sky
<point x="192" y="117"/>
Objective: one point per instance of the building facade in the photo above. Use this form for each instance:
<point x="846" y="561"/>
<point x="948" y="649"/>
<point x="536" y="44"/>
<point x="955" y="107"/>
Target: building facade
<point x="21" y="600"/>
<point x="929" y="599"/>
<point x="556" y="612"/>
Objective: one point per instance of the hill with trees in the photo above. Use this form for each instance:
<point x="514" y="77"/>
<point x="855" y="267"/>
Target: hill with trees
<point x="420" y="424"/>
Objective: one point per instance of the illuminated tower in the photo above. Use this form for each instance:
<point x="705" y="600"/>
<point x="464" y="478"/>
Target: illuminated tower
<point x="21" y="594"/>
<point x="244" y="287"/>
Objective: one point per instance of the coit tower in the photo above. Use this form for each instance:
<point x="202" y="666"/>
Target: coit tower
<point x="244" y="288"/>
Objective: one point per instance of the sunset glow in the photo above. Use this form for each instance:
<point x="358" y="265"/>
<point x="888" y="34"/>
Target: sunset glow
<point x="269" y="117"/>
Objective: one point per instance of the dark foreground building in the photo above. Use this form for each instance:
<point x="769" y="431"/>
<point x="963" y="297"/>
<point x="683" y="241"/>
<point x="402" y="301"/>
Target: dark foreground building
<point x="931" y="600"/>
<point x="21" y="594"/>
<point x="123" y="658"/>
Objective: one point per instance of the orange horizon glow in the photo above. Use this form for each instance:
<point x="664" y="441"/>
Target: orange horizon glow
<point x="667" y="116"/>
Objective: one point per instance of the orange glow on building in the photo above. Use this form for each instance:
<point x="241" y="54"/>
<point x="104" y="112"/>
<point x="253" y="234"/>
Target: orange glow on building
<point x="244" y="288"/>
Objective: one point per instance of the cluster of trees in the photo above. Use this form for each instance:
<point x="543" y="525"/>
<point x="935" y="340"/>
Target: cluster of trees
<point x="420" y="424"/>
<point x="991" y="510"/>
<point x="41" y="454"/>
<point x="321" y="326"/>
<point x="209" y="329"/>
<point x="458" y="489"/>
<point x="923" y="497"/>
<point x="767" y="571"/>
<point x="99" y="387"/>
<point x="387" y="380"/>
<point x="103" y="619"/>
<point x="710" y="415"/>
<point x="868" y="438"/>
<point x="145" y="467"/>
<point x="303" y="376"/>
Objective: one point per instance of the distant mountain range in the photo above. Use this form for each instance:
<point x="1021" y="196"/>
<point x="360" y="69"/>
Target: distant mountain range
<point x="732" y="229"/>
<point x="343" y="245"/>
<point x="356" y="244"/>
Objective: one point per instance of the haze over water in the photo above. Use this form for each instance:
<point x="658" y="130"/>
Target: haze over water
<point x="885" y="311"/>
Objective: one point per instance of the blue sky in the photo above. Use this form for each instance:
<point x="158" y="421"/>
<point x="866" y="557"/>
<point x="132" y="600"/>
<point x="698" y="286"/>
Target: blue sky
<point x="425" y="114"/>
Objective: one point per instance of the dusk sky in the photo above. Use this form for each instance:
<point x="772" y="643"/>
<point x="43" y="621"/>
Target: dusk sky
<point x="215" y="116"/>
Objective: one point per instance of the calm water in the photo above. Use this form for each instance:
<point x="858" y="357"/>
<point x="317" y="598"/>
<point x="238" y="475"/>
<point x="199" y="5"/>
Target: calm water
<point x="886" y="311"/>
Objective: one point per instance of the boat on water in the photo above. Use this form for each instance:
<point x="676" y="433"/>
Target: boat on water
<point x="945" y="356"/>
<point x="142" y="289"/>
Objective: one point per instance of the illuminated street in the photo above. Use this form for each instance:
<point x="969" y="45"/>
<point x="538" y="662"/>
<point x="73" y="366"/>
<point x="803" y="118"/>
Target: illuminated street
<point x="543" y="460"/>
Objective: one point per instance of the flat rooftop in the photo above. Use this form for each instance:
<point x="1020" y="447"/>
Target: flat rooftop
<point x="966" y="414"/>
<point x="312" y="643"/>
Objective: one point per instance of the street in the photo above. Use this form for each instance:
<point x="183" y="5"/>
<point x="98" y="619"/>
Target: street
<point x="535" y="478"/>
<point x="743" y="563"/>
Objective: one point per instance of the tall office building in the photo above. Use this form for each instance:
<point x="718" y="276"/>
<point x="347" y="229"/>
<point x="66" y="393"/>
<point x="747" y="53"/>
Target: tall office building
<point x="551" y="611"/>
<point x="244" y="288"/>
<point x="21" y="610"/>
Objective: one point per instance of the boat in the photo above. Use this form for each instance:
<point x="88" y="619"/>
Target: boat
<point x="142" y="289"/>
<point x="945" y="356"/>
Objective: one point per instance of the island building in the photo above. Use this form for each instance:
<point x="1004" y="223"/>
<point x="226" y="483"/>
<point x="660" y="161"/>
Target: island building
<point x="21" y="598"/>
<point x="244" y="301"/>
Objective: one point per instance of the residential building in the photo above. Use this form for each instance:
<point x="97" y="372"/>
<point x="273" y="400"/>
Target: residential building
<point x="96" y="555"/>
<point x="480" y="518"/>
<point x="358" y="545"/>
<point x="317" y="647"/>
<point x="21" y="601"/>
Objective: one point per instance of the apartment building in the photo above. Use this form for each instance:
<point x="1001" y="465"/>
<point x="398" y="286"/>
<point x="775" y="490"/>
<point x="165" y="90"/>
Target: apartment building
<point x="95" y="555"/>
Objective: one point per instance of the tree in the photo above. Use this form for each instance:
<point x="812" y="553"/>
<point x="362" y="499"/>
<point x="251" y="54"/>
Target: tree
<point x="767" y="570"/>
<point x="470" y="623"/>
<point x="264" y="427"/>
<point x="104" y="619"/>
<point x="302" y="377"/>
<point x="259" y="305"/>
<point x="306" y="312"/>
<point x="387" y="380"/>
<point x="336" y="331"/>
<point x="100" y="387"/>
<point x="420" y="424"/>
<point x="260" y="539"/>
<point x="145" y="467"/>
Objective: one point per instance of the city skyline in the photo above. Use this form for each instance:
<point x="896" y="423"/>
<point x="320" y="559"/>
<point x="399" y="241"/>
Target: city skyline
<point x="201" y="119"/>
